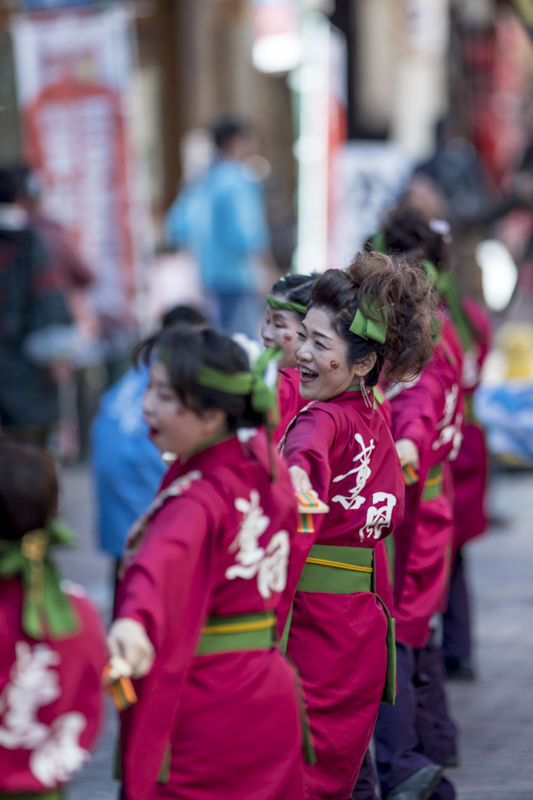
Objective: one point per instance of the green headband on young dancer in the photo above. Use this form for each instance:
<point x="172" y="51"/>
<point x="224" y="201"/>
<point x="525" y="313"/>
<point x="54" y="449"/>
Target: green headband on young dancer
<point x="256" y="383"/>
<point x="367" y="328"/>
<point x="285" y="305"/>
<point x="46" y="609"/>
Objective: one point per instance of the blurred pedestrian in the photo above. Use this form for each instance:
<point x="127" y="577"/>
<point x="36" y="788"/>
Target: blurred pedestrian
<point x="204" y="569"/>
<point x="222" y="220"/>
<point x="73" y="278"/>
<point x="52" y="647"/>
<point x="127" y="468"/>
<point x="36" y="329"/>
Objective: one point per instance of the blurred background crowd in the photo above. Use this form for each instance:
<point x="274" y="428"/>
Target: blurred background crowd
<point x="125" y="127"/>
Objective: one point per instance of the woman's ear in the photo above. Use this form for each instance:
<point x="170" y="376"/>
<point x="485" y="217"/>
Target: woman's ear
<point x="365" y="365"/>
<point x="215" y="420"/>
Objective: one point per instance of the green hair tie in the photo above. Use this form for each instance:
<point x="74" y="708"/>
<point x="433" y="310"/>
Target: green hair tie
<point x="367" y="328"/>
<point x="378" y="242"/>
<point x="259" y="383"/>
<point x="46" y="609"/>
<point x="449" y="292"/>
<point x="286" y="306"/>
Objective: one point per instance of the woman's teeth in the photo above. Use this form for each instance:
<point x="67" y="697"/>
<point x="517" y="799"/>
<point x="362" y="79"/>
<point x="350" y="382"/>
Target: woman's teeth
<point x="306" y="373"/>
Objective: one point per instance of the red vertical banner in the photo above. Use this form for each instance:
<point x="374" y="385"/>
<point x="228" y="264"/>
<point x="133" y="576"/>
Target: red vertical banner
<point x="73" y="72"/>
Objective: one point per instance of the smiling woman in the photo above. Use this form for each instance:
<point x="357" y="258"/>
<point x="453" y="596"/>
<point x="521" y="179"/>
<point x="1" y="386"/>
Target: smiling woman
<point x="375" y="316"/>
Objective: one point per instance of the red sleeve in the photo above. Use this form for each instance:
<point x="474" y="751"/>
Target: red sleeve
<point x="167" y="589"/>
<point x="308" y="445"/>
<point x="413" y="413"/>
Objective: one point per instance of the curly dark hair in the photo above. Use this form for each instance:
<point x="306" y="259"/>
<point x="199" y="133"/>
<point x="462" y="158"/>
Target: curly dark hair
<point x="295" y="288"/>
<point x="407" y="231"/>
<point x="187" y="348"/>
<point x="387" y="290"/>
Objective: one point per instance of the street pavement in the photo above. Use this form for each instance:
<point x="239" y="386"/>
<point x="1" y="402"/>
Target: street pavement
<point x="494" y="713"/>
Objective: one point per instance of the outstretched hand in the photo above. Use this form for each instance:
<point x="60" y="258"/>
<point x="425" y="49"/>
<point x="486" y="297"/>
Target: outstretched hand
<point x="408" y="453"/>
<point x="128" y="640"/>
<point x="300" y="479"/>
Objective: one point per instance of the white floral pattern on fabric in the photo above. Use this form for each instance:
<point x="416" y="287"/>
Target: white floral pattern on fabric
<point x="269" y="565"/>
<point x="272" y="573"/>
<point x="362" y="472"/>
<point x="33" y="684"/>
<point x="448" y="429"/>
<point x="378" y="518"/>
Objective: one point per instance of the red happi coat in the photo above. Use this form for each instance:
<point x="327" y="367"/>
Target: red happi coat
<point x="470" y="468"/>
<point x="51" y="702"/>
<point x="231" y="719"/>
<point x="430" y="413"/>
<point x="337" y="641"/>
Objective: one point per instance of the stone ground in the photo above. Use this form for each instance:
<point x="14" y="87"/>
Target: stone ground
<point x="495" y="714"/>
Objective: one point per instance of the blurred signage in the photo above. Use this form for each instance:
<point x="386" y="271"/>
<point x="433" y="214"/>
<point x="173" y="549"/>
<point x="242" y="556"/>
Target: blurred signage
<point x="276" y="46"/>
<point x="73" y="72"/>
<point x="372" y="175"/>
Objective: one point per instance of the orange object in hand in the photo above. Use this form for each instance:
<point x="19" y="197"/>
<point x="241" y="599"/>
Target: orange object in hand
<point x="120" y="688"/>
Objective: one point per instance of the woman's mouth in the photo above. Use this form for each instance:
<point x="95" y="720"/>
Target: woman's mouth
<point x="152" y="432"/>
<point x="306" y="375"/>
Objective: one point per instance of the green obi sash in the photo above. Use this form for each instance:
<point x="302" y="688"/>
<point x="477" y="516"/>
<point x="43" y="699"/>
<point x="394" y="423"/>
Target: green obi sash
<point x="55" y="794"/>
<point x="331" y="569"/>
<point x="433" y="485"/>
<point x="256" y="631"/>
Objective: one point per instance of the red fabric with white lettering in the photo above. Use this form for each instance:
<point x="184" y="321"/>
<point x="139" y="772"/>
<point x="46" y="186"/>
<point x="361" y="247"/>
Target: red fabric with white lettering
<point x="430" y="412"/>
<point x="232" y="719"/>
<point x="338" y="642"/>
<point x="51" y="701"/>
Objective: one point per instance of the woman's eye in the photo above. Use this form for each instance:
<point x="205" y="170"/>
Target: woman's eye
<point x="319" y="344"/>
<point x="280" y="327"/>
<point x="300" y="336"/>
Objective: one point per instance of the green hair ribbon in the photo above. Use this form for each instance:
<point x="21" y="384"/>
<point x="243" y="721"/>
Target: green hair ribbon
<point x="449" y="292"/>
<point x="285" y="306"/>
<point x="378" y="242"/>
<point x="46" y="610"/>
<point x="259" y="383"/>
<point x="368" y="328"/>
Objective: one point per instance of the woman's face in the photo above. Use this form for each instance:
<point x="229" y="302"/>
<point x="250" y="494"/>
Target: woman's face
<point x="280" y="328"/>
<point x="321" y="358"/>
<point x="172" y="427"/>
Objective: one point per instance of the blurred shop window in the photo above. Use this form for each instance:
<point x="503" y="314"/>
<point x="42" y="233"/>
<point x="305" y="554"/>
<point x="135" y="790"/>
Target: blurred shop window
<point x="10" y="138"/>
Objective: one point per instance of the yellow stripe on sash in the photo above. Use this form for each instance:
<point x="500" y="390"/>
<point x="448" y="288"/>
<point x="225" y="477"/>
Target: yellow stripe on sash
<point x="323" y="562"/>
<point x="238" y="627"/>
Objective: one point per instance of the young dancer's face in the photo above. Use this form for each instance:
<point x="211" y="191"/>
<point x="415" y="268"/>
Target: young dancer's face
<point x="173" y="427"/>
<point x="321" y="358"/>
<point x="279" y="329"/>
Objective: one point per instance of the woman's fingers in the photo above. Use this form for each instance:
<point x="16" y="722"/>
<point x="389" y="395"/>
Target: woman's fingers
<point x="300" y="479"/>
<point x="128" y="639"/>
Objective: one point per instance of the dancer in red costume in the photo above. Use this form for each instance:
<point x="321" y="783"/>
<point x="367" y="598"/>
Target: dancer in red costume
<point x="416" y="738"/>
<point x="52" y="646"/>
<point x="204" y="569"/>
<point x="376" y="312"/>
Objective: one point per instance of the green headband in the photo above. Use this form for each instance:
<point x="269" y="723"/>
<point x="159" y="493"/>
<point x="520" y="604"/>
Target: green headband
<point x="286" y="306"/>
<point x="370" y="329"/>
<point x="46" y="609"/>
<point x="258" y="383"/>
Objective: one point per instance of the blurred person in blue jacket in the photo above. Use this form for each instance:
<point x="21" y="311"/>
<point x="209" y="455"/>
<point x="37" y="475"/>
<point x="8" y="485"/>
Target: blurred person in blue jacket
<point x="127" y="467"/>
<point x="221" y="219"/>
